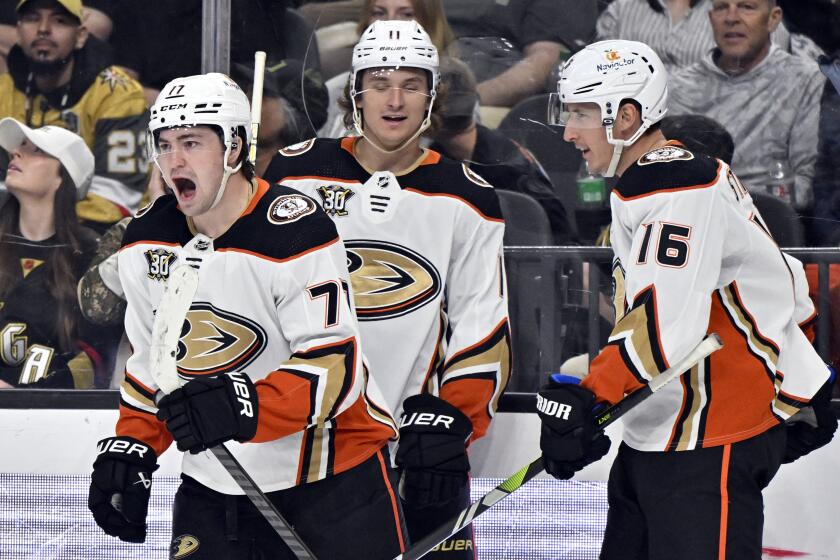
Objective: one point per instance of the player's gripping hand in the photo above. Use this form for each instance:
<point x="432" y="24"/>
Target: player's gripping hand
<point x="432" y="453"/>
<point x="120" y="486"/>
<point x="813" y="426"/>
<point x="568" y="439"/>
<point x="210" y="410"/>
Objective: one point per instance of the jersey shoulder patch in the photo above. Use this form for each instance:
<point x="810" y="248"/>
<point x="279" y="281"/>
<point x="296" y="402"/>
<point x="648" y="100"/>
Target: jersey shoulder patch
<point x="304" y="226"/>
<point x="298" y="149"/>
<point x="681" y="169"/>
<point x="665" y="154"/>
<point x="288" y="208"/>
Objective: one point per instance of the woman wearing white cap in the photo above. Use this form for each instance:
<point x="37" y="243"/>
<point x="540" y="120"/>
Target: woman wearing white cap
<point x="43" y="252"/>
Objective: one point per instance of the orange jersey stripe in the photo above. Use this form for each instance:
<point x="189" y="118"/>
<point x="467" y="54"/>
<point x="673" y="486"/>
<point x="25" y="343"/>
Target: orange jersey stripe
<point x="148" y="242"/>
<point x="391" y="495"/>
<point x="724" y="502"/>
<point x="272" y="259"/>
<point x="145" y="427"/>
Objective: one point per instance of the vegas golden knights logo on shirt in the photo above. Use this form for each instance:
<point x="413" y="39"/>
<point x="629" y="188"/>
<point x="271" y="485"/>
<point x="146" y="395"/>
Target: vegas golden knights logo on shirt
<point x="214" y="341"/>
<point x="160" y="261"/>
<point x="389" y="280"/>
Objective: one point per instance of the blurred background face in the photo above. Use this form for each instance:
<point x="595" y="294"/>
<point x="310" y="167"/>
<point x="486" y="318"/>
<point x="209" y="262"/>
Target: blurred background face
<point x="47" y="33"/>
<point x="32" y="172"/>
<point x="391" y="10"/>
<point x="742" y="28"/>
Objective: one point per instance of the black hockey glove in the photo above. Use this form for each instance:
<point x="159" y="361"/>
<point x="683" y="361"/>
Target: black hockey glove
<point x="210" y="410"/>
<point x="813" y="426"/>
<point x="568" y="438"/>
<point x="120" y="487"/>
<point x="432" y="453"/>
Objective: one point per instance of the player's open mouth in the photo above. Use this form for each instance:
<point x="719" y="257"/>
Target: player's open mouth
<point x="394" y="118"/>
<point x="185" y="187"/>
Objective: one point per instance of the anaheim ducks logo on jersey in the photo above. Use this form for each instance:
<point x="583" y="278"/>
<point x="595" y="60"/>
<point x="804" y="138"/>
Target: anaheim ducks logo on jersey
<point x="290" y="208"/>
<point x="183" y="546"/>
<point x="665" y="153"/>
<point x="389" y="280"/>
<point x="213" y="340"/>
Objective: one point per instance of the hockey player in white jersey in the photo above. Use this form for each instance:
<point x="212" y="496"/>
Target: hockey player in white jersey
<point x="692" y="256"/>
<point x="424" y="246"/>
<point x="269" y="353"/>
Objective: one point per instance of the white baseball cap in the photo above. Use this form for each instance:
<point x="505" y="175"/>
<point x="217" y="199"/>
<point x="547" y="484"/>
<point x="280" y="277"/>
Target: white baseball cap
<point x="65" y="146"/>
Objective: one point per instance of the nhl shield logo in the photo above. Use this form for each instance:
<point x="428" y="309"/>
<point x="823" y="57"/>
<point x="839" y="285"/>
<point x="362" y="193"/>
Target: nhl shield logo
<point x="290" y="208"/>
<point x="160" y="262"/>
<point x="334" y="199"/>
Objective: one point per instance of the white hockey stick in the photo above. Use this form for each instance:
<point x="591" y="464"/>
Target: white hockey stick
<point x="256" y="104"/>
<point x="425" y="545"/>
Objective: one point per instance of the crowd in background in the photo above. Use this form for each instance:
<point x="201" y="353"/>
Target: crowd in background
<point x="755" y="83"/>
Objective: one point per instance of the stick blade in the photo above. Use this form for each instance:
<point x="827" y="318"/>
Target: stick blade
<point x="166" y="330"/>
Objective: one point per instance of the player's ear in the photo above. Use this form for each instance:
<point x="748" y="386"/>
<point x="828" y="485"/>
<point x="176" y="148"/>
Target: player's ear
<point x="627" y="120"/>
<point x="236" y="147"/>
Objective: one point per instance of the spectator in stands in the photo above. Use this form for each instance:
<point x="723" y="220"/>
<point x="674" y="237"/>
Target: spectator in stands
<point x="824" y="230"/>
<point x="768" y="98"/>
<point x="43" y="252"/>
<point x="428" y="13"/>
<point x="499" y="160"/>
<point x="679" y="30"/>
<point x="96" y="17"/>
<point x="60" y="75"/>
<point x="145" y="44"/>
<point x="513" y="46"/>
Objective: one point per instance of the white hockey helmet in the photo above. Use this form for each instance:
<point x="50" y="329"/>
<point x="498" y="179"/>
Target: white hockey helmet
<point x="608" y="73"/>
<point x="395" y="44"/>
<point x="206" y="99"/>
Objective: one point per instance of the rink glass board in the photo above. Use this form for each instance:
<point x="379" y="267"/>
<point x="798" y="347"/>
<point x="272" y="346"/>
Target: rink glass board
<point x="46" y="518"/>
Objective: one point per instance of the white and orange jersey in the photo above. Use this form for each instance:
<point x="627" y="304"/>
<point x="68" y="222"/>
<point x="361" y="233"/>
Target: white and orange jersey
<point x="271" y="302"/>
<point x="693" y="256"/>
<point x="424" y="251"/>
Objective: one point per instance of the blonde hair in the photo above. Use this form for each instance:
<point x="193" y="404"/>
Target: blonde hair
<point x="428" y="13"/>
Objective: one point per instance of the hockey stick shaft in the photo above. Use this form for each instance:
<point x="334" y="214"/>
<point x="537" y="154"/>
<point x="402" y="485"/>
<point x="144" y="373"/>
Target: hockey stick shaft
<point x="519" y="478"/>
<point x="256" y="103"/>
<point x="166" y="331"/>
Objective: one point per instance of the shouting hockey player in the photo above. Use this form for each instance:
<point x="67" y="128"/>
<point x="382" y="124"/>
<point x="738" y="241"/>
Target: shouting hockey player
<point x="269" y="352"/>
<point x="424" y="246"/>
<point x="692" y="256"/>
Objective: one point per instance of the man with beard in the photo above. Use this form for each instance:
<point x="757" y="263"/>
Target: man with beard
<point x="60" y="75"/>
